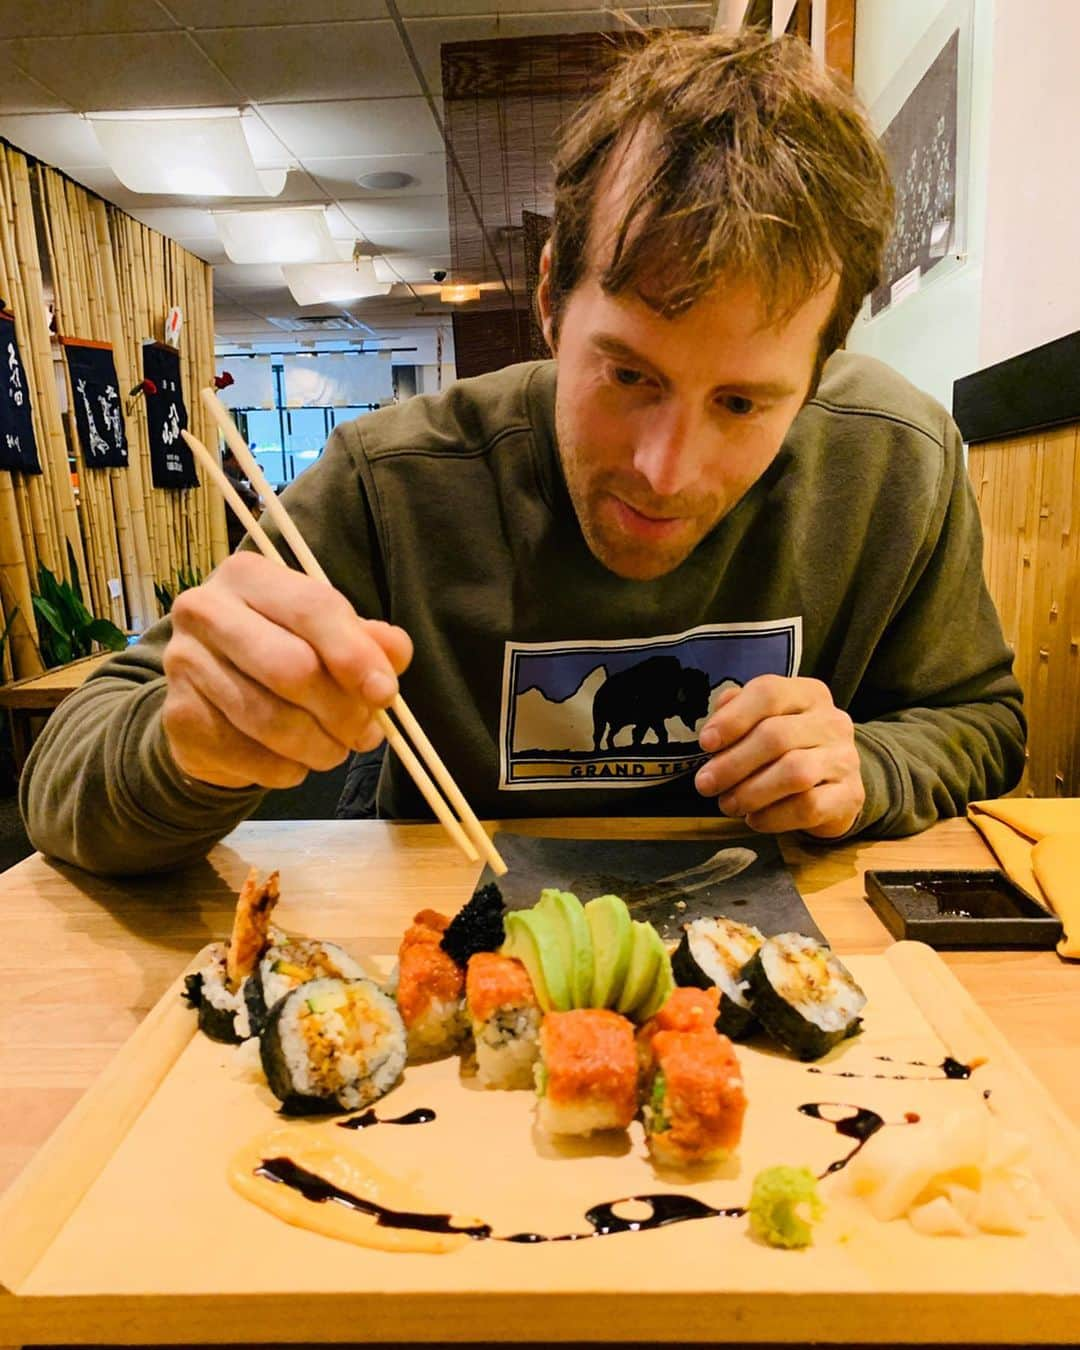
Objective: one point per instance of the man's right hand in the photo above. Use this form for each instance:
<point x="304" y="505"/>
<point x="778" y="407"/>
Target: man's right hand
<point x="271" y="674"/>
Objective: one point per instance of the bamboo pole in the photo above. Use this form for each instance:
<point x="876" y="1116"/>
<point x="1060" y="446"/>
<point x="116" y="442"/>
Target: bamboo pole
<point x="44" y="380"/>
<point x="126" y="484"/>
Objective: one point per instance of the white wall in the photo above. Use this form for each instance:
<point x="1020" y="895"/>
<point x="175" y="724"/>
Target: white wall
<point x="933" y="336"/>
<point x="1031" y="271"/>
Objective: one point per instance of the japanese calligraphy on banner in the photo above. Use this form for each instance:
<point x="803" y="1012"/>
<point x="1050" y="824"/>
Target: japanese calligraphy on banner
<point x="18" y="449"/>
<point x="95" y="395"/>
<point x="171" y="462"/>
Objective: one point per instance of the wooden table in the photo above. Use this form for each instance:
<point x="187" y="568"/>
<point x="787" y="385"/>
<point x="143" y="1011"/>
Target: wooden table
<point x="38" y="695"/>
<point x="82" y="959"/>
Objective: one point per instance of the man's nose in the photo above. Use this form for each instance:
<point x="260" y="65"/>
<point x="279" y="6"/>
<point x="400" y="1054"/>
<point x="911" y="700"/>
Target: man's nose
<point x="668" y="449"/>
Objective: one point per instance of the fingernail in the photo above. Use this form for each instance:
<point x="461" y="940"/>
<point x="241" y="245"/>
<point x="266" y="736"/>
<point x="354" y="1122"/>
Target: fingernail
<point x="379" y="688"/>
<point x="729" y="806"/>
<point x="710" y="739"/>
<point x="705" y="782"/>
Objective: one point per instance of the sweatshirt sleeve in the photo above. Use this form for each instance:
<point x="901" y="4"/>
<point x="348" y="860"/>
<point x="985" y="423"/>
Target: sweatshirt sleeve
<point x="100" y="788"/>
<point x="939" y="717"/>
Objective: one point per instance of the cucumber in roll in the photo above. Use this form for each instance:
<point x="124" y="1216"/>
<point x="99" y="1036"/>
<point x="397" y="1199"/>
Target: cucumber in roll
<point x="332" y="1045"/>
<point x="713" y="952"/>
<point x="802" y="995"/>
<point x="289" y="962"/>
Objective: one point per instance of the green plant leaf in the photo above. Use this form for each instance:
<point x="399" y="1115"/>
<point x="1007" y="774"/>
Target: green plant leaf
<point x="105" y="632"/>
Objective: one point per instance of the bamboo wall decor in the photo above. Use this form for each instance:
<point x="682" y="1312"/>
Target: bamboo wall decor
<point x="110" y="280"/>
<point x="1028" y="489"/>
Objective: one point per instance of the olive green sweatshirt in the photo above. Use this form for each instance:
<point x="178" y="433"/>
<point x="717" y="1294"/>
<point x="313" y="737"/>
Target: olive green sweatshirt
<point x="552" y="686"/>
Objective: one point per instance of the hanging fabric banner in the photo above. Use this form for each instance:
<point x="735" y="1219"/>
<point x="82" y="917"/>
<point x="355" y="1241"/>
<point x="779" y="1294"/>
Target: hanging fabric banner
<point x="95" y="393"/>
<point x="18" y="450"/>
<point x="171" y="462"/>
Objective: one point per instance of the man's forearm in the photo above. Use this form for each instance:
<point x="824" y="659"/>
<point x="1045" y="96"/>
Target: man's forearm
<point x="923" y="764"/>
<point x="100" y="788"/>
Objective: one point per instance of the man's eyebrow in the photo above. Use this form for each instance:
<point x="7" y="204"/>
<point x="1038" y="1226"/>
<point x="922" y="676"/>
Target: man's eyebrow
<point x="622" y="351"/>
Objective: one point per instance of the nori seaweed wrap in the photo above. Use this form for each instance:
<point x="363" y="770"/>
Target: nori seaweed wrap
<point x="803" y="995"/>
<point x="332" y="1045"/>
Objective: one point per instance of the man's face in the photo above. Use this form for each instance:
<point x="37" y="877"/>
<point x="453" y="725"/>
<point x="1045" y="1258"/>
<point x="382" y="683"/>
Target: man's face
<point x="663" y="424"/>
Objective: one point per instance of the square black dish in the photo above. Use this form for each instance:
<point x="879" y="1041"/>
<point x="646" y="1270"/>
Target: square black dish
<point x="959" y="908"/>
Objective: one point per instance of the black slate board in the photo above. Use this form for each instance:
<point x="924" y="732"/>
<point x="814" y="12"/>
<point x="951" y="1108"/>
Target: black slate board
<point x="648" y="874"/>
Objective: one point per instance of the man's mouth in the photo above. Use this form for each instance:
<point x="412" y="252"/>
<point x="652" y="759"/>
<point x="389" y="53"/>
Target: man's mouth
<point x="642" y="525"/>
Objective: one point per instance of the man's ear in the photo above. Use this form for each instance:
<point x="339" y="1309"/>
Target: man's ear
<point x="543" y="298"/>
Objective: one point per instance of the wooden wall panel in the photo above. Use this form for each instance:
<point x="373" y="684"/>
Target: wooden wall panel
<point x="1029" y="500"/>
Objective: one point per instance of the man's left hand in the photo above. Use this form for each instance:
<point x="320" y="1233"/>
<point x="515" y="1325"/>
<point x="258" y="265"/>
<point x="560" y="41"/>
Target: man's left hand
<point x="785" y="758"/>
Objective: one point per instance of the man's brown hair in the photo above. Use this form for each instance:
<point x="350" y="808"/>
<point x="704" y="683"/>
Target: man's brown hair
<point x="749" y="161"/>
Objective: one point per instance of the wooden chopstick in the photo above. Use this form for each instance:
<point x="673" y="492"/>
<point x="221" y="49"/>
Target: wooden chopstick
<point x="473" y="830"/>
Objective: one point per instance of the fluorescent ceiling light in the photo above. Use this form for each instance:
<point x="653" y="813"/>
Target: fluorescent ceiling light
<point x="288" y="235"/>
<point x="332" y="283"/>
<point x="190" y="156"/>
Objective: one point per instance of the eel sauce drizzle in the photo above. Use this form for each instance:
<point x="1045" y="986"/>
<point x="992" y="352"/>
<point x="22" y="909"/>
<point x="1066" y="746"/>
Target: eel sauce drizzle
<point x="421" y="1116"/>
<point x="950" y="1068"/>
<point x="853" y="1122"/>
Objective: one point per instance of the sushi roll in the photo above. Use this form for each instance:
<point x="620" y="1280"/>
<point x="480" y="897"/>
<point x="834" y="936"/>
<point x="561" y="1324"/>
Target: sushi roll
<point x="805" y="998"/>
<point x="695" y="1105"/>
<point x="430" y="991"/>
<point x="218" y="991"/>
<point x="289" y="962"/>
<point x="714" y="952"/>
<point x="587" y="1075"/>
<point x="690" y="1010"/>
<point x="223" y="1012"/>
<point x="505" y="1020"/>
<point x="332" y="1045"/>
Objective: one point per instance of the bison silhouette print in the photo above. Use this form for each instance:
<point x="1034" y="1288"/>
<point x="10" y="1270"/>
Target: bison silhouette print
<point x="644" y="696"/>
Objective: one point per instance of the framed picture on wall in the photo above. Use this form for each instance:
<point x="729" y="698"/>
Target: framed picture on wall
<point x="924" y="121"/>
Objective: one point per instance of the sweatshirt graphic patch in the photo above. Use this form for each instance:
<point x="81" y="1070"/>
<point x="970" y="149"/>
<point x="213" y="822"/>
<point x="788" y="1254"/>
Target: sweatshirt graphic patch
<point x="626" y="713"/>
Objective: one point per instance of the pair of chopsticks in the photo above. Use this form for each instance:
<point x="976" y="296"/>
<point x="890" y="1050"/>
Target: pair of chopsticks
<point x="464" y="828"/>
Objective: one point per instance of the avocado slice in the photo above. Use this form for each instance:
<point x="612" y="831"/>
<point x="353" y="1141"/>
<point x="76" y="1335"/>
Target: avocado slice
<point x="662" y="985"/>
<point x="611" y="933"/>
<point x="646" y="950"/>
<point x="568" y="920"/>
<point x="532" y="938"/>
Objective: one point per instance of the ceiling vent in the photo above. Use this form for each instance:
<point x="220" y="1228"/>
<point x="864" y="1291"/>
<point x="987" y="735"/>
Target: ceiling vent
<point x="319" y="323"/>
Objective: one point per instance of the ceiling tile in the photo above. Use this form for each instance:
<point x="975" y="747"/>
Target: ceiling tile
<point x="178" y="222"/>
<point x="21" y="94"/>
<point x="248" y="276"/>
<point x="209" y="250"/>
<point x="446" y="9"/>
<point x="411" y="268"/>
<point x="380" y="126"/>
<point x="338" y="176"/>
<point x="63" y="139"/>
<point x="428" y="35"/>
<point x="244" y="14"/>
<point x="385" y="215"/>
<point x="153" y="70"/>
<point x="46" y="18"/>
<point x="420" y="242"/>
<point x="312" y="61"/>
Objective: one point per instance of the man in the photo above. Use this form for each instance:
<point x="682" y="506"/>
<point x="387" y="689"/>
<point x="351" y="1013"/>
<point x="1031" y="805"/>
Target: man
<point x="700" y="564"/>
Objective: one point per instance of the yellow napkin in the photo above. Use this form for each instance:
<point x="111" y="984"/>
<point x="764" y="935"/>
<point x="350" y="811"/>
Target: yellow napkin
<point x="1037" y="842"/>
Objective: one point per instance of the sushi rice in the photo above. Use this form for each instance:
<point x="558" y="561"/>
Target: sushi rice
<point x="333" y="1045"/>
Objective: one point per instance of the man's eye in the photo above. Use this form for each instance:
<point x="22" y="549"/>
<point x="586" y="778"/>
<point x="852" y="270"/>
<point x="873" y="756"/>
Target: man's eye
<point x="737" y="404"/>
<point x="627" y="376"/>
